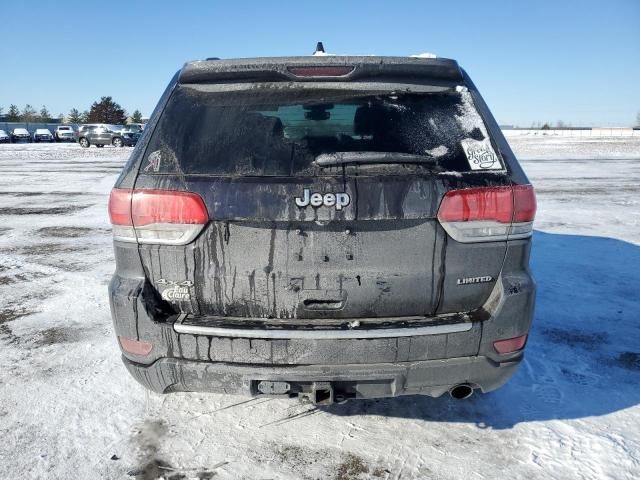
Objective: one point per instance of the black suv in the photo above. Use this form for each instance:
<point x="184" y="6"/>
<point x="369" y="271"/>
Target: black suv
<point x="324" y="227"/>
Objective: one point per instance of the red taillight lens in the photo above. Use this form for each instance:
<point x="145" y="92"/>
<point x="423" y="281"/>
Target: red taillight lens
<point x="156" y="216"/>
<point x="510" y="345"/>
<point x="135" y="347"/>
<point x="120" y="206"/>
<point x="162" y="206"/>
<point x="320" y="71"/>
<point x="492" y="203"/>
<point x="524" y="203"/>
<point x="488" y="213"/>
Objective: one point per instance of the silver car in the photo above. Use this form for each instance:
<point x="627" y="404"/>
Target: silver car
<point x="100" y="136"/>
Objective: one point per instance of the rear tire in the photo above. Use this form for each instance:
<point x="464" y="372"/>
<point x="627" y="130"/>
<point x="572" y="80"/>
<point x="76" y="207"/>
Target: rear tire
<point x="117" y="142"/>
<point x="84" y="143"/>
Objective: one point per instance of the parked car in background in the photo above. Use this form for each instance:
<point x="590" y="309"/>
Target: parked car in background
<point x="4" y="137"/>
<point x="133" y="127"/>
<point x="64" y="133"/>
<point x="42" y="135"/>
<point x="20" y="135"/>
<point x="130" y="138"/>
<point x="100" y="136"/>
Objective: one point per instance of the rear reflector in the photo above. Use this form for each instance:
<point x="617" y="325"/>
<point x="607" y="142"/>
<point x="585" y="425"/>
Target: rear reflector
<point x="135" y="347"/>
<point x="156" y="216"/>
<point x="510" y="345"/>
<point x="488" y="213"/>
<point x="320" y="71"/>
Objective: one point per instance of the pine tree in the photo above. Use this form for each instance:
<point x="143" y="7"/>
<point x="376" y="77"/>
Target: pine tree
<point x="28" y="114"/>
<point x="84" y="118"/>
<point x="136" y="117"/>
<point x="13" y="115"/>
<point x="45" y="116"/>
<point x="1" y="111"/>
<point x="74" y="116"/>
<point x="107" y="111"/>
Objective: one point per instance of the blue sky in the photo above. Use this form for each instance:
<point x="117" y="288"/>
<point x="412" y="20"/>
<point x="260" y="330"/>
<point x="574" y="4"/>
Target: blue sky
<point x="572" y="60"/>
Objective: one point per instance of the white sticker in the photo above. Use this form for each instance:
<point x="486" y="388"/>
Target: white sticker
<point x="154" y="159"/>
<point x="480" y="155"/>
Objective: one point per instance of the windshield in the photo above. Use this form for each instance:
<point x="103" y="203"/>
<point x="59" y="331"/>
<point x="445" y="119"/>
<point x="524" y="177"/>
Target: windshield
<point x="280" y="132"/>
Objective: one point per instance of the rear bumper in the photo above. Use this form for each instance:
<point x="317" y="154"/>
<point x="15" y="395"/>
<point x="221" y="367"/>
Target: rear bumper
<point x="426" y="362"/>
<point x="431" y="377"/>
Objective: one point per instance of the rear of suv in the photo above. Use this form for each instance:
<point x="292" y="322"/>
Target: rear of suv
<point x="323" y="227"/>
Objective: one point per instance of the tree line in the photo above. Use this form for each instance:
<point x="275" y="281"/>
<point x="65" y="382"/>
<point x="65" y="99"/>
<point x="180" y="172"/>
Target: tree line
<point x="104" y="111"/>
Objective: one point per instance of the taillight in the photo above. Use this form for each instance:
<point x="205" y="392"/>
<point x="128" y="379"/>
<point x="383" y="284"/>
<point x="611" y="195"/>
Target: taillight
<point x="328" y="71"/>
<point x="488" y="214"/>
<point x="156" y="216"/>
<point x="510" y="345"/>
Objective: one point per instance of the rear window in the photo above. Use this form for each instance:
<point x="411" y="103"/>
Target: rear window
<point x="281" y="132"/>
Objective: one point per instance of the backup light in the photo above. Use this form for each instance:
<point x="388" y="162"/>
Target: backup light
<point x="156" y="216"/>
<point x="488" y="214"/>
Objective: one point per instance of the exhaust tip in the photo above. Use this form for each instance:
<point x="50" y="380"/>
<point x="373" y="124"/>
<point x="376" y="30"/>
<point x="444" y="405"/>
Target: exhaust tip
<point x="461" y="391"/>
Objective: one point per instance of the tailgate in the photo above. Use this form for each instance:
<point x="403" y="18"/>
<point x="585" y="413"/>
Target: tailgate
<point x="264" y="257"/>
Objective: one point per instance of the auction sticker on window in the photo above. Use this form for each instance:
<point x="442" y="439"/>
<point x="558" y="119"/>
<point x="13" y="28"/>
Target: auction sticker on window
<point x="480" y="155"/>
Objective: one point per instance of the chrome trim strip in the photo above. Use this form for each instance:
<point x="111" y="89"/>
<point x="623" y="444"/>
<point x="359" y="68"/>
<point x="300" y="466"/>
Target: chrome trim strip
<point x="321" y="334"/>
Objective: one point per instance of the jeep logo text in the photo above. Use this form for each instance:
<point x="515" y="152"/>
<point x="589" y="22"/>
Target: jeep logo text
<point x="338" y="200"/>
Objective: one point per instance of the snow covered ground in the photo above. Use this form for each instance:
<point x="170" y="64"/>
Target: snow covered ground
<point x="68" y="409"/>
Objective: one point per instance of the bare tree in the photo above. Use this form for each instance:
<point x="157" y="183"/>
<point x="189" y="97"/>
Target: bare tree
<point x="28" y="114"/>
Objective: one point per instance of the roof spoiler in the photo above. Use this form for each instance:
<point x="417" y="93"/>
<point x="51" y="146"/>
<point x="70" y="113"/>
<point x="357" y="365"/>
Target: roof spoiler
<point x="282" y="69"/>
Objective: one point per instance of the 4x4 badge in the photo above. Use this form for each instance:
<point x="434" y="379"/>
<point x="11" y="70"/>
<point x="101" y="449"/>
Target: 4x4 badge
<point x="338" y="200"/>
<point x="178" y="290"/>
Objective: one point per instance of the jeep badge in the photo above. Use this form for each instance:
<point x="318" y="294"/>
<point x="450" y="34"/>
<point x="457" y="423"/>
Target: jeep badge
<point x="338" y="200"/>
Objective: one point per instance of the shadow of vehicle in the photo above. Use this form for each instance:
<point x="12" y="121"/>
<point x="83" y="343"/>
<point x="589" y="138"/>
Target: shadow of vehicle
<point x="583" y="354"/>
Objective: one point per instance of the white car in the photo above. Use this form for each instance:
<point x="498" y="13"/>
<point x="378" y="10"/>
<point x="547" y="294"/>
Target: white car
<point x="20" y="135"/>
<point x="64" y="133"/>
<point x="42" y="135"/>
<point x="4" y="137"/>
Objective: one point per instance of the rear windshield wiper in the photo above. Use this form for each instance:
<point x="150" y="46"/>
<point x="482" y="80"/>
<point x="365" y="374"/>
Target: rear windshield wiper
<point x="341" y="158"/>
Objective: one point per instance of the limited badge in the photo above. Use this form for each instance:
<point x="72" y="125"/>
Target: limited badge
<point x="480" y="155"/>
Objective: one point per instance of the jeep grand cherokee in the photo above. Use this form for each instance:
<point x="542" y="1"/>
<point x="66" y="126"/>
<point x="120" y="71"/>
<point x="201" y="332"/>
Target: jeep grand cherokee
<point x="323" y="227"/>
